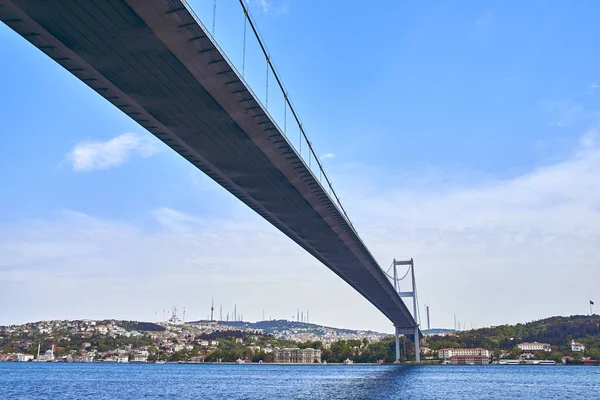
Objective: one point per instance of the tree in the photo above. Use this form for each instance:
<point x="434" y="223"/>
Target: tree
<point x="515" y="353"/>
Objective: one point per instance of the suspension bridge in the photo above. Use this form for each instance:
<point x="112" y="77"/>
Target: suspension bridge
<point x="158" y="63"/>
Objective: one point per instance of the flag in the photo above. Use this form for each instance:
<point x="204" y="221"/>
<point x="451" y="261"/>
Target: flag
<point x="591" y="303"/>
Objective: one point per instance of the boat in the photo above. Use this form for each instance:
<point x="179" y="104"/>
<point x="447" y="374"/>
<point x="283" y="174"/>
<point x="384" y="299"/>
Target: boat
<point x="160" y="362"/>
<point x="547" y="362"/>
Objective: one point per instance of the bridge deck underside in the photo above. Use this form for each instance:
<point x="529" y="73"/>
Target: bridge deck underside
<point x="153" y="61"/>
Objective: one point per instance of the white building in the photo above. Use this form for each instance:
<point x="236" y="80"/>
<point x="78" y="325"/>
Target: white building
<point x="123" y="358"/>
<point x="24" y="357"/>
<point x="298" y="356"/>
<point x="446" y="354"/>
<point x="140" y="356"/>
<point x="48" y="355"/>
<point x="178" y="347"/>
<point x="535" y="346"/>
<point x="577" y="346"/>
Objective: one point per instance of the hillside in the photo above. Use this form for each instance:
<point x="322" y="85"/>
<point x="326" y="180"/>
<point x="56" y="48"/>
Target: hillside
<point x="282" y="325"/>
<point x="557" y="331"/>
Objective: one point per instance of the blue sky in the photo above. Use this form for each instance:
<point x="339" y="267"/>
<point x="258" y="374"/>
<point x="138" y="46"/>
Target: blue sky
<point x="461" y="134"/>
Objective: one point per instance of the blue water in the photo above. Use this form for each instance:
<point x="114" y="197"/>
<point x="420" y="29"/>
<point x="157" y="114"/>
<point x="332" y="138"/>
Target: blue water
<point x="138" y="381"/>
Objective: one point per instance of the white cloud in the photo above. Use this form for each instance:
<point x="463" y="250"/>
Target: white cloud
<point x="327" y="155"/>
<point x="177" y="221"/>
<point x="270" y="6"/>
<point x="94" y="155"/>
<point x="592" y="88"/>
<point x="492" y="251"/>
<point x="263" y="4"/>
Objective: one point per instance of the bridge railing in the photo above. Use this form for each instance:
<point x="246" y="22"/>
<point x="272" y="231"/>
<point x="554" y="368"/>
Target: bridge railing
<point x="302" y="143"/>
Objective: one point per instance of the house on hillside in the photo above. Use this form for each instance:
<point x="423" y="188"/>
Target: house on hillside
<point x="575" y="346"/>
<point x="535" y="346"/>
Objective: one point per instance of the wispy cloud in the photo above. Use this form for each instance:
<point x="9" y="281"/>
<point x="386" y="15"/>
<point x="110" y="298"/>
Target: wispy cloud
<point x="271" y="6"/>
<point x="592" y="88"/>
<point x="94" y="155"/>
<point x="177" y="221"/>
<point x="484" y="20"/>
<point x="487" y="237"/>
<point x="563" y="113"/>
<point x="327" y="155"/>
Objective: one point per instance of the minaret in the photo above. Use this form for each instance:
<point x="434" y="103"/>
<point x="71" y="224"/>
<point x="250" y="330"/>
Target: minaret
<point x="212" y="310"/>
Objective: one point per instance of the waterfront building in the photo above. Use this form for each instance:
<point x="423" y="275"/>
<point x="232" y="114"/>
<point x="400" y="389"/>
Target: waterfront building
<point x="297" y="356"/>
<point x="535" y="346"/>
<point x="47" y="356"/>
<point x="567" y="360"/>
<point x="140" y="356"/>
<point x="24" y="357"/>
<point x="447" y="354"/>
<point x="577" y="346"/>
<point x="123" y="358"/>
<point x="473" y="359"/>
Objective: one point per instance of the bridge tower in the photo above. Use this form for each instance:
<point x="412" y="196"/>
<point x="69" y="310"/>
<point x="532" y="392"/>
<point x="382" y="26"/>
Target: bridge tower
<point x="415" y="330"/>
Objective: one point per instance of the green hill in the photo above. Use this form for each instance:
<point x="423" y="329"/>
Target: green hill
<point x="556" y="331"/>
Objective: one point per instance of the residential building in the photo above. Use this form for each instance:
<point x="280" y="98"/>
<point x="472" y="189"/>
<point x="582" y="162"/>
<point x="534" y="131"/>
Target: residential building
<point x="473" y="359"/>
<point x="123" y="358"/>
<point x="535" y="346"/>
<point x="140" y="356"/>
<point x="446" y="354"/>
<point x="577" y="346"/>
<point x="178" y="347"/>
<point x="198" y="359"/>
<point x="297" y="356"/>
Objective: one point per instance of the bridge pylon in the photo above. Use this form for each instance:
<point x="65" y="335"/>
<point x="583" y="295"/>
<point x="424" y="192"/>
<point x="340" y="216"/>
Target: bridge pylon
<point x="413" y="293"/>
